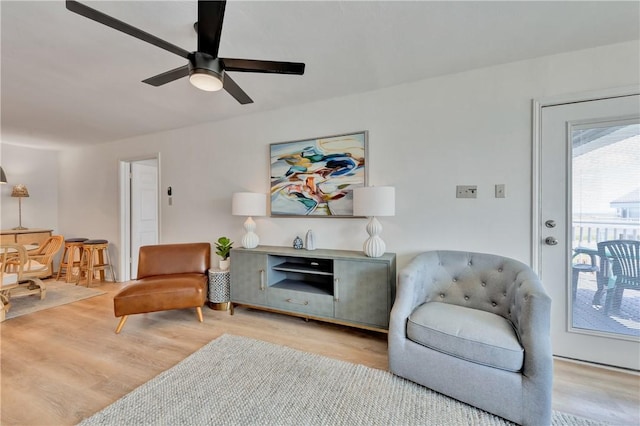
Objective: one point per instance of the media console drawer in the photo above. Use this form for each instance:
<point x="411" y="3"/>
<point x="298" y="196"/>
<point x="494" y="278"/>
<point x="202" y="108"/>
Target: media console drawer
<point x="340" y="286"/>
<point x="300" y="301"/>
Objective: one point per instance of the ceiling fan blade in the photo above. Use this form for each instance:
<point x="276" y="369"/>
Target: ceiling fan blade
<point x="114" y="23"/>
<point x="254" y="65"/>
<point x="235" y="91"/>
<point x="209" y="26"/>
<point x="168" y="77"/>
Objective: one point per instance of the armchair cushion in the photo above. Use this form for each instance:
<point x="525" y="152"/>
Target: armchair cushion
<point x="470" y="334"/>
<point x="9" y="278"/>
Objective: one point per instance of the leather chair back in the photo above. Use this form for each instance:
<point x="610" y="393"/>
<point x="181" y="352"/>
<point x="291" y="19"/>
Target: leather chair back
<point x="166" y="259"/>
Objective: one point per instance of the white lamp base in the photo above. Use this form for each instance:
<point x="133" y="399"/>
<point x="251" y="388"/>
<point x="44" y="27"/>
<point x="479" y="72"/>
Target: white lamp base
<point x="374" y="246"/>
<point x="250" y="239"/>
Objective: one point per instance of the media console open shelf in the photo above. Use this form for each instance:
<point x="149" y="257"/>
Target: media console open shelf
<point x="339" y="286"/>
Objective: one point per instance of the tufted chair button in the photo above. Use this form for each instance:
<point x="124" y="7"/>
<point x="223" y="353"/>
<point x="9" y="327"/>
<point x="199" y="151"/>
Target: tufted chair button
<point x="455" y="280"/>
<point x="484" y="284"/>
<point x="441" y="295"/>
<point x="499" y="269"/>
<point x="470" y="263"/>
<point x="504" y="294"/>
<point x="466" y="298"/>
<point x="493" y="304"/>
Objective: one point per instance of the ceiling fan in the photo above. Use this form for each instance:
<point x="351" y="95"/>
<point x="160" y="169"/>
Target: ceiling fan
<point x="206" y="70"/>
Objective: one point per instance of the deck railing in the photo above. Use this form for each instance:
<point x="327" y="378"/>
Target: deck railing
<point x="590" y="233"/>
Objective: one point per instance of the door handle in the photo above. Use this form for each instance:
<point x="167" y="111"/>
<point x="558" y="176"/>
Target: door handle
<point x="550" y="241"/>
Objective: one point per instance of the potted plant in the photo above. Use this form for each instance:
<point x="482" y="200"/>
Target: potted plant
<point x="223" y="249"/>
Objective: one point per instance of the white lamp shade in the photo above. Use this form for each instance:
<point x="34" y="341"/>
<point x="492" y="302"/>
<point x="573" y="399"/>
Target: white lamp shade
<point x="248" y="204"/>
<point x="374" y="201"/>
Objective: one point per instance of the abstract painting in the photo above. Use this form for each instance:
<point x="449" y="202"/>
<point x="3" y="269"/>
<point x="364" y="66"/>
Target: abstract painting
<point x="316" y="177"/>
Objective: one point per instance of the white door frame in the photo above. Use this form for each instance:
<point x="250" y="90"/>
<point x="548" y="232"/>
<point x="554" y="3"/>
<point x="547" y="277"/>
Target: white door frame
<point x="537" y="226"/>
<point x="125" y="211"/>
<point x="538" y="104"/>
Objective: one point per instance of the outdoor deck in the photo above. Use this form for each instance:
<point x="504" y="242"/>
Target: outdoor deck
<point x="588" y="316"/>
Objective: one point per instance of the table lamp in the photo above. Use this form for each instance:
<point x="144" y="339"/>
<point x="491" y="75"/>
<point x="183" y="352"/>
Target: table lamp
<point x="372" y="201"/>
<point x="249" y="204"/>
<point x="20" y="191"/>
<point x="3" y="177"/>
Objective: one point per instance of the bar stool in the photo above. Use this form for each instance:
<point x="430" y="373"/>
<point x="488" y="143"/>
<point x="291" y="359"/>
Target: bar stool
<point x="95" y="258"/>
<point x="68" y="259"/>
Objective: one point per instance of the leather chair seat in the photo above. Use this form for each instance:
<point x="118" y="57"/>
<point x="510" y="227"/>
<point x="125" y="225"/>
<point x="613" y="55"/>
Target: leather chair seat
<point x="161" y="293"/>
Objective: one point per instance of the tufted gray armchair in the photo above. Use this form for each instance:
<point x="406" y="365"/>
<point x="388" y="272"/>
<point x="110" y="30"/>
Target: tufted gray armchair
<point x="475" y="327"/>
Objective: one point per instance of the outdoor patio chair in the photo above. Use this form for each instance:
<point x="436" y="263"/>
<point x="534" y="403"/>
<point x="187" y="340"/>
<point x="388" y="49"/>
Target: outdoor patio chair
<point x="578" y="267"/>
<point x="624" y="258"/>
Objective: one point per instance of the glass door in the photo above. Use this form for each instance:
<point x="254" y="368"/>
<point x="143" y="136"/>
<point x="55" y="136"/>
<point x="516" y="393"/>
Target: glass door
<point x="589" y="182"/>
<point x="605" y="182"/>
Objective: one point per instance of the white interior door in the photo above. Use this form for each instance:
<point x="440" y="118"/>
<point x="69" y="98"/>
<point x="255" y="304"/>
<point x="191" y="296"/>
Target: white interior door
<point x="589" y="178"/>
<point x="144" y="208"/>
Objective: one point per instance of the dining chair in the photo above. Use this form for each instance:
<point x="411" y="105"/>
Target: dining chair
<point x="624" y="258"/>
<point x="43" y="255"/>
<point x="8" y="280"/>
<point x="29" y="266"/>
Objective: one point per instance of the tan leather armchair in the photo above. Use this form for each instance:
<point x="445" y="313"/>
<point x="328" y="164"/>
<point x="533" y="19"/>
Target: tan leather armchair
<point x="170" y="276"/>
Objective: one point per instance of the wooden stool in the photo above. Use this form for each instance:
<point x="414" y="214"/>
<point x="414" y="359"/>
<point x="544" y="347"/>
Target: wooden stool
<point x="68" y="259"/>
<point x="95" y="258"/>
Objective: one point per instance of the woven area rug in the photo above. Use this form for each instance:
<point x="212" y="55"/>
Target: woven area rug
<point x="58" y="293"/>
<point x="240" y="381"/>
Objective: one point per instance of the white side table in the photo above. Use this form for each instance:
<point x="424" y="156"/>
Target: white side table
<point x="219" y="297"/>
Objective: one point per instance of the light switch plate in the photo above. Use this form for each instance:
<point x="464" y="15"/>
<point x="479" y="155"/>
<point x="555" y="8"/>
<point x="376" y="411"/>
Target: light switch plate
<point x="500" y="190"/>
<point x="466" y="191"/>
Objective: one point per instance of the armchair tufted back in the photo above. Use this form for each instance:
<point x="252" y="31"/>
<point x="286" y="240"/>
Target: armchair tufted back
<point x="475" y="280"/>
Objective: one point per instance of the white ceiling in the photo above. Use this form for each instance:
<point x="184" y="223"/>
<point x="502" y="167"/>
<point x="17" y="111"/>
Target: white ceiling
<point x="68" y="81"/>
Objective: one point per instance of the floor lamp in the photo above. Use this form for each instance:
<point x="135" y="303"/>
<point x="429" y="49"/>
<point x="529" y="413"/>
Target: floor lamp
<point x="20" y="191"/>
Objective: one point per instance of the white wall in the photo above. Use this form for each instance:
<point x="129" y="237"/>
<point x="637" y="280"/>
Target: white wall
<point x="38" y="170"/>
<point x="424" y="138"/>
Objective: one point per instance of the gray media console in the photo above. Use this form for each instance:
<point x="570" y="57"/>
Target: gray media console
<point x="344" y="287"/>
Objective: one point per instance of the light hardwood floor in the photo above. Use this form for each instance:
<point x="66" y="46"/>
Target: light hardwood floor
<point x="64" y="364"/>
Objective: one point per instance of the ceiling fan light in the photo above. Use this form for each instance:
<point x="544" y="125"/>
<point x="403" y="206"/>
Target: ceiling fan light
<point x="206" y="80"/>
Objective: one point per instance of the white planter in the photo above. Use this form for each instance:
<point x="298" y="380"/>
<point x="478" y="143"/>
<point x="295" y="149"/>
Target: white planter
<point x="224" y="264"/>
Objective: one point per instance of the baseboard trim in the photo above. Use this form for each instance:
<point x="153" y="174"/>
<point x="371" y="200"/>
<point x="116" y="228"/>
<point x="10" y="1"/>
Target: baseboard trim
<point x="599" y="365"/>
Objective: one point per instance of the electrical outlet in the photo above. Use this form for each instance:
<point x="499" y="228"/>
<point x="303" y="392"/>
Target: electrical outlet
<point x="467" y="191"/>
<point x="500" y="190"/>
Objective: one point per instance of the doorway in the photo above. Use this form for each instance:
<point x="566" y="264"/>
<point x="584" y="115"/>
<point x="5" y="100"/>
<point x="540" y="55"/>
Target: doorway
<point x="587" y="186"/>
<point x="140" y="210"/>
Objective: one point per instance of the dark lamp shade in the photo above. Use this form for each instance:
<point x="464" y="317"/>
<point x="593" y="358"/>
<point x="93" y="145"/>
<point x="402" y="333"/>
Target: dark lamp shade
<point x="3" y="177"/>
<point x="20" y="190"/>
